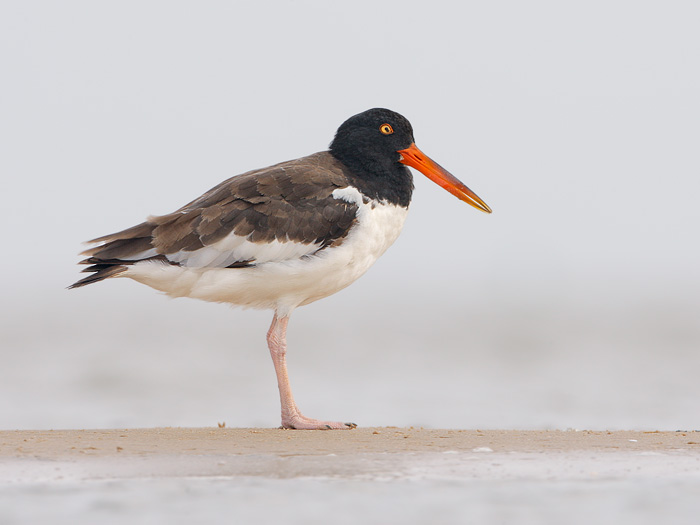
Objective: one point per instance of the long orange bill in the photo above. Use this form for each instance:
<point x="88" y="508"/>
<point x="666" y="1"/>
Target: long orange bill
<point x="415" y="158"/>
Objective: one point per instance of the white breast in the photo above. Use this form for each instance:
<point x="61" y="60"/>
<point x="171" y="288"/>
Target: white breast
<point x="285" y="284"/>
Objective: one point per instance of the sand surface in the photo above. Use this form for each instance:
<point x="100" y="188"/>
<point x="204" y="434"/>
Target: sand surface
<point x="366" y="475"/>
<point x="66" y="444"/>
<point x="366" y="452"/>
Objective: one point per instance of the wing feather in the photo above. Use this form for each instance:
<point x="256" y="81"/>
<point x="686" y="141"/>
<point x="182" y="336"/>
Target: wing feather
<point x="283" y="212"/>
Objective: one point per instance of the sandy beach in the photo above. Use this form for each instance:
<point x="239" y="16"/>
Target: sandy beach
<point x="365" y="452"/>
<point x="74" y="444"/>
<point x="370" y="475"/>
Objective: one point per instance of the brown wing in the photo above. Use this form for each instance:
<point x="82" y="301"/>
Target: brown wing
<point x="286" y="211"/>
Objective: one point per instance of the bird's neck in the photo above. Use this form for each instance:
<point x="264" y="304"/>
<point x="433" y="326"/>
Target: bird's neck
<point x="380" y="180"/>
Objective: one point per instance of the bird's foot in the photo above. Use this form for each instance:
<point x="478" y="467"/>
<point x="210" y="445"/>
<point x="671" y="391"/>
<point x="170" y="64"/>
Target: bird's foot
<point x="299" y="422"/>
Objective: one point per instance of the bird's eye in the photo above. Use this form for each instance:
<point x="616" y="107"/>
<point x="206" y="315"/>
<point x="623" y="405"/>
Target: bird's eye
<point x="386" y="129"/>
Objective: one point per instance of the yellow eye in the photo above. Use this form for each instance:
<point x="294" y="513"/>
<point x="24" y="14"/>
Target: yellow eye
<point x="386" y="129"/>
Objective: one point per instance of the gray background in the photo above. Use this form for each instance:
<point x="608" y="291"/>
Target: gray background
<point x="574" y="305"/>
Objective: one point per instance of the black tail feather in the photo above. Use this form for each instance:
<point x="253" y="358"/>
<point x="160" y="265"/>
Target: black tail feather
<point x="102" y="271"/>
<point x="116" y="253"/>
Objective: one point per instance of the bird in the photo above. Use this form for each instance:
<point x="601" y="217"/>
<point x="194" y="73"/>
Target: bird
<point x="284" y="236"/>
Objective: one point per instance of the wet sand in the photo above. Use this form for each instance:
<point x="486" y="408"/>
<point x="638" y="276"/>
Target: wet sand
<point x="374" y="453"/>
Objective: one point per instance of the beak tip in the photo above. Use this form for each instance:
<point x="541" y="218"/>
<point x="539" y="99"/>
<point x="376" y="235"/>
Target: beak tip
<point x="416" y="159"/>
<point x="478" y="204"/>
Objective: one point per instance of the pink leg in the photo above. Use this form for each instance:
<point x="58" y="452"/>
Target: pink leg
<point x="291" y="416"/>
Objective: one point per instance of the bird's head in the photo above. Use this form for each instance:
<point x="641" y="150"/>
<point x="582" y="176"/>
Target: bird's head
<point x="380" y="141"/>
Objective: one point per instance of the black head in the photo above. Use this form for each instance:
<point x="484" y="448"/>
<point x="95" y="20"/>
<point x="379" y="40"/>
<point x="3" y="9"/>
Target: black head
<point x="369" y="143"/>
<point x="372" y="139"/>
<point x="377" y="145"/>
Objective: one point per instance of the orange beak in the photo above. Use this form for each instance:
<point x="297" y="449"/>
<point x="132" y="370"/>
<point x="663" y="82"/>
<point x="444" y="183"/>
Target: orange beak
<point x="415" y="158"/>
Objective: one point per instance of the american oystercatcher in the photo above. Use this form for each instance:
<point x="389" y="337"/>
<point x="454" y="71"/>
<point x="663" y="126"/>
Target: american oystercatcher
<point x="283" y="236"/>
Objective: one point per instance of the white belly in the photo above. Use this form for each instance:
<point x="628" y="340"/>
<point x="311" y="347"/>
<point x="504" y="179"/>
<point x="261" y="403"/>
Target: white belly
<point x="284" y="285"/>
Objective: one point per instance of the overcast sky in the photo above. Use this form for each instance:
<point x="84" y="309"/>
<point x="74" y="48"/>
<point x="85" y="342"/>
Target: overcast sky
<point x="577" y="123"/>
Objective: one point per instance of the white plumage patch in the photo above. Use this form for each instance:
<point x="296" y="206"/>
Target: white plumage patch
<point x="286" y="274"/>
<point x="234" y="248"/>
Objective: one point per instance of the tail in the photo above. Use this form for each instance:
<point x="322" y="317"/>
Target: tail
<point x="102" y="271"/>
<point x="117" y="252"/>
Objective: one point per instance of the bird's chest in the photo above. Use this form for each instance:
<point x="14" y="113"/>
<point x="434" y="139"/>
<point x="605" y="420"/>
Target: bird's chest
<point x="377" y="226"/>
